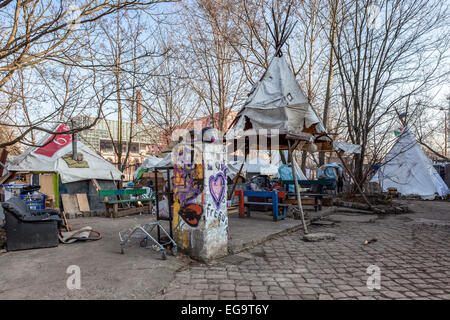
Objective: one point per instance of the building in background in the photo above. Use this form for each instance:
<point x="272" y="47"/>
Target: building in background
<point x="202" y="122"/>
<point x="144" y="141"/>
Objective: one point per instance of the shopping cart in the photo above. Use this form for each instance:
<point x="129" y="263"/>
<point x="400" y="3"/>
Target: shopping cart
<point x="143" y="232"/>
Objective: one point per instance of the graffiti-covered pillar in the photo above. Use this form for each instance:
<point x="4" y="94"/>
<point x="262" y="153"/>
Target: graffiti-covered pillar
<point x="200" y="209"/>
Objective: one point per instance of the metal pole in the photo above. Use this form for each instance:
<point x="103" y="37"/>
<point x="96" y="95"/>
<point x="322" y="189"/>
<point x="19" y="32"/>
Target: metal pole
<point x="445" y="135"/>
<point x="74" y="144"/>
<point x="447" y="116"/>
<point x="297" y="188"/>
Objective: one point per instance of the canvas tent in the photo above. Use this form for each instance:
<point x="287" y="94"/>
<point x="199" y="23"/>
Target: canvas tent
<point x="254" y="166"/>
<point x="409" y="170"/>
<point x="278" y="102"/>
<point x="154" y="162"/>
<point x="53" y="157"/>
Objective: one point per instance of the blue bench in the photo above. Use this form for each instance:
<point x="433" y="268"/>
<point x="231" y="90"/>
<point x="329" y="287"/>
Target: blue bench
<point x="275" y="196"/>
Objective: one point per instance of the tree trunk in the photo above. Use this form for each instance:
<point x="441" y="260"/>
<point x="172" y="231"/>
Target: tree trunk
<point x="330" y="77"/>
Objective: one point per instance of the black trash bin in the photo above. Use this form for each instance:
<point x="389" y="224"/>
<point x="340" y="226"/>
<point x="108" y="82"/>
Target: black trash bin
<point x="29" y="229"/>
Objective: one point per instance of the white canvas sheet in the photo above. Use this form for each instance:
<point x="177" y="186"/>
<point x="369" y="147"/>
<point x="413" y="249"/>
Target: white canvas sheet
<point x="277" y="102"/>
<point x="99" y="168"/>
<point x="408" y="169"/>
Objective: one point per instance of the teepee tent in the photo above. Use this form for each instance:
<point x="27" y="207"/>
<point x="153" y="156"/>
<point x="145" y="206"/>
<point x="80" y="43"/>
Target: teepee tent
<point x="278" y="102"/>
<point x="409" y="170"/>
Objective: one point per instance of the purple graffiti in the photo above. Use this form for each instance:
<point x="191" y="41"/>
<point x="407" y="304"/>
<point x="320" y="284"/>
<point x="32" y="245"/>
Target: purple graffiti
<point x="217" y="188"/>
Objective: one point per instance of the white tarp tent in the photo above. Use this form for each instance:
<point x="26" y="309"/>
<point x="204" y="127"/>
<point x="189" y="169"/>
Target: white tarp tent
<point x="153" y="162"/>
<point x="45" y="159"/>
<point x="347" y="147"/>
<point x="264" y="164"/>
<point x="276" y="102"/>
<point x="409" y="170"/>
<point x="257" y="165"/>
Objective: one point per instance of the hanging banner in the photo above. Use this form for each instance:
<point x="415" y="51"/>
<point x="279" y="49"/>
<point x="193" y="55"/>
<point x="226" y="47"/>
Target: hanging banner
<point x="55" y="142"/>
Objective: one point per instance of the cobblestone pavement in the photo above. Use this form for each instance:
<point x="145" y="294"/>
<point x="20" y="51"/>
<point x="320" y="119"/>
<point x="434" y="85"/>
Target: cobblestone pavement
<point x="414" y="261"/>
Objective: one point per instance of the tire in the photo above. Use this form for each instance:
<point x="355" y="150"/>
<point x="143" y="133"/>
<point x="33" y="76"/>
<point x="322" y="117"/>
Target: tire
<point x="163" y="255"/>
<point x="174" y="250"/>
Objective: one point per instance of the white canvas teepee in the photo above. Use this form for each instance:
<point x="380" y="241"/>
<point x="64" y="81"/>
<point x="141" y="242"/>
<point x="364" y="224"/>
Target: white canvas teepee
<point x="408" y="169"/>
<point x="48" y="158"/>
<point x="276" y="102"/>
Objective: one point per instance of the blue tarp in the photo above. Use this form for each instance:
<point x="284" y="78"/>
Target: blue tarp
<point x="328" y="171"/>
<point x="285" y="172"/>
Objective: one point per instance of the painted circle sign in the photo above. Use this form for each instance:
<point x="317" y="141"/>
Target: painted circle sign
<point x="55" y="142"/>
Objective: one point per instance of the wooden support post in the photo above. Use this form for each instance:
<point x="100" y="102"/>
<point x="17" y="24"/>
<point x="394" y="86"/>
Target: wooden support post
<point x="236" y="179"/>
<point x="56" y="189"/>
<point x="297" y="188"/>
<point x="241" y="204"/>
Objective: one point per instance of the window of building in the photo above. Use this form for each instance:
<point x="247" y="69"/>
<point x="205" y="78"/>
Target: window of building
<point x="106" y="146"/>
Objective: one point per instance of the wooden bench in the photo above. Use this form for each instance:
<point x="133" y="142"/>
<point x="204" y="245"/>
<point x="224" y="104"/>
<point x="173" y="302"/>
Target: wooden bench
<point x="114" y="203"/>
<point x="309" y="183"/>
<point x="275" y="196"/>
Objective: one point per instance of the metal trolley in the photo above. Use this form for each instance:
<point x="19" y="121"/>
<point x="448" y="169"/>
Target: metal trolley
<point x="144" y="231"/>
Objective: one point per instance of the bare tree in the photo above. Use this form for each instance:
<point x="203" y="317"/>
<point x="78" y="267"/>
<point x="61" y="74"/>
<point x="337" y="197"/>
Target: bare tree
<point x="171" y="102"/>
<point x="386" y="53"/>
<point x="122" y="57"/>
<point x="217" y="78"/>
<point x="33" y="33"/>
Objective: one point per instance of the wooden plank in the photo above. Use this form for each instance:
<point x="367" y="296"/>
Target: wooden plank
<point x="128" y="201"/>
<point x="122" y="192"/>
<point x="126" y="212"/>
<point x="3" y="157"/>
<point x="56" y="189"/>
<point x="6" y="177"/>
<point x="302" y="183"/>
<point x="46" y="183"/>
<point x="96" y="185"/>
<point x="83" y="202"/>
<point x="70" y="203"/>
<point x="306" y="201"/>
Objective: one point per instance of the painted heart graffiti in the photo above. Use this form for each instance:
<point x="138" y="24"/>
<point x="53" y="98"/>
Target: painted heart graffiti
<point x="217" y="188"/>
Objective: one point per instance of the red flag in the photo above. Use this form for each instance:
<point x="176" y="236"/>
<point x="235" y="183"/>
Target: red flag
<point x="55" y="142"/>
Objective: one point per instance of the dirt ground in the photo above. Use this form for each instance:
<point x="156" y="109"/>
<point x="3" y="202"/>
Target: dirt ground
<point x="139" y="273"/>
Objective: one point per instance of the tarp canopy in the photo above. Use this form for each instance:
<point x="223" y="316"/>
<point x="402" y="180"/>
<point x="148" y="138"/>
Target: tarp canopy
<point x="330" y="171"/>
<point x="257" y="165"/>
<point x="49" y="158"/>
<point x="154" y="162"/>
<point x="347" y="147"/>
<point x="409" y="170"/>
<point x="277" y="102"/>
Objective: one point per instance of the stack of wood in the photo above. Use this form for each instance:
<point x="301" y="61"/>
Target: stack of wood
<point x="75" y="205"/>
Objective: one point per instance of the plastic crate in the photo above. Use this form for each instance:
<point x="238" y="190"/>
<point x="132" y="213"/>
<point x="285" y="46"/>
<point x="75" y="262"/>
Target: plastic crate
<point x="35" y="204"/>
